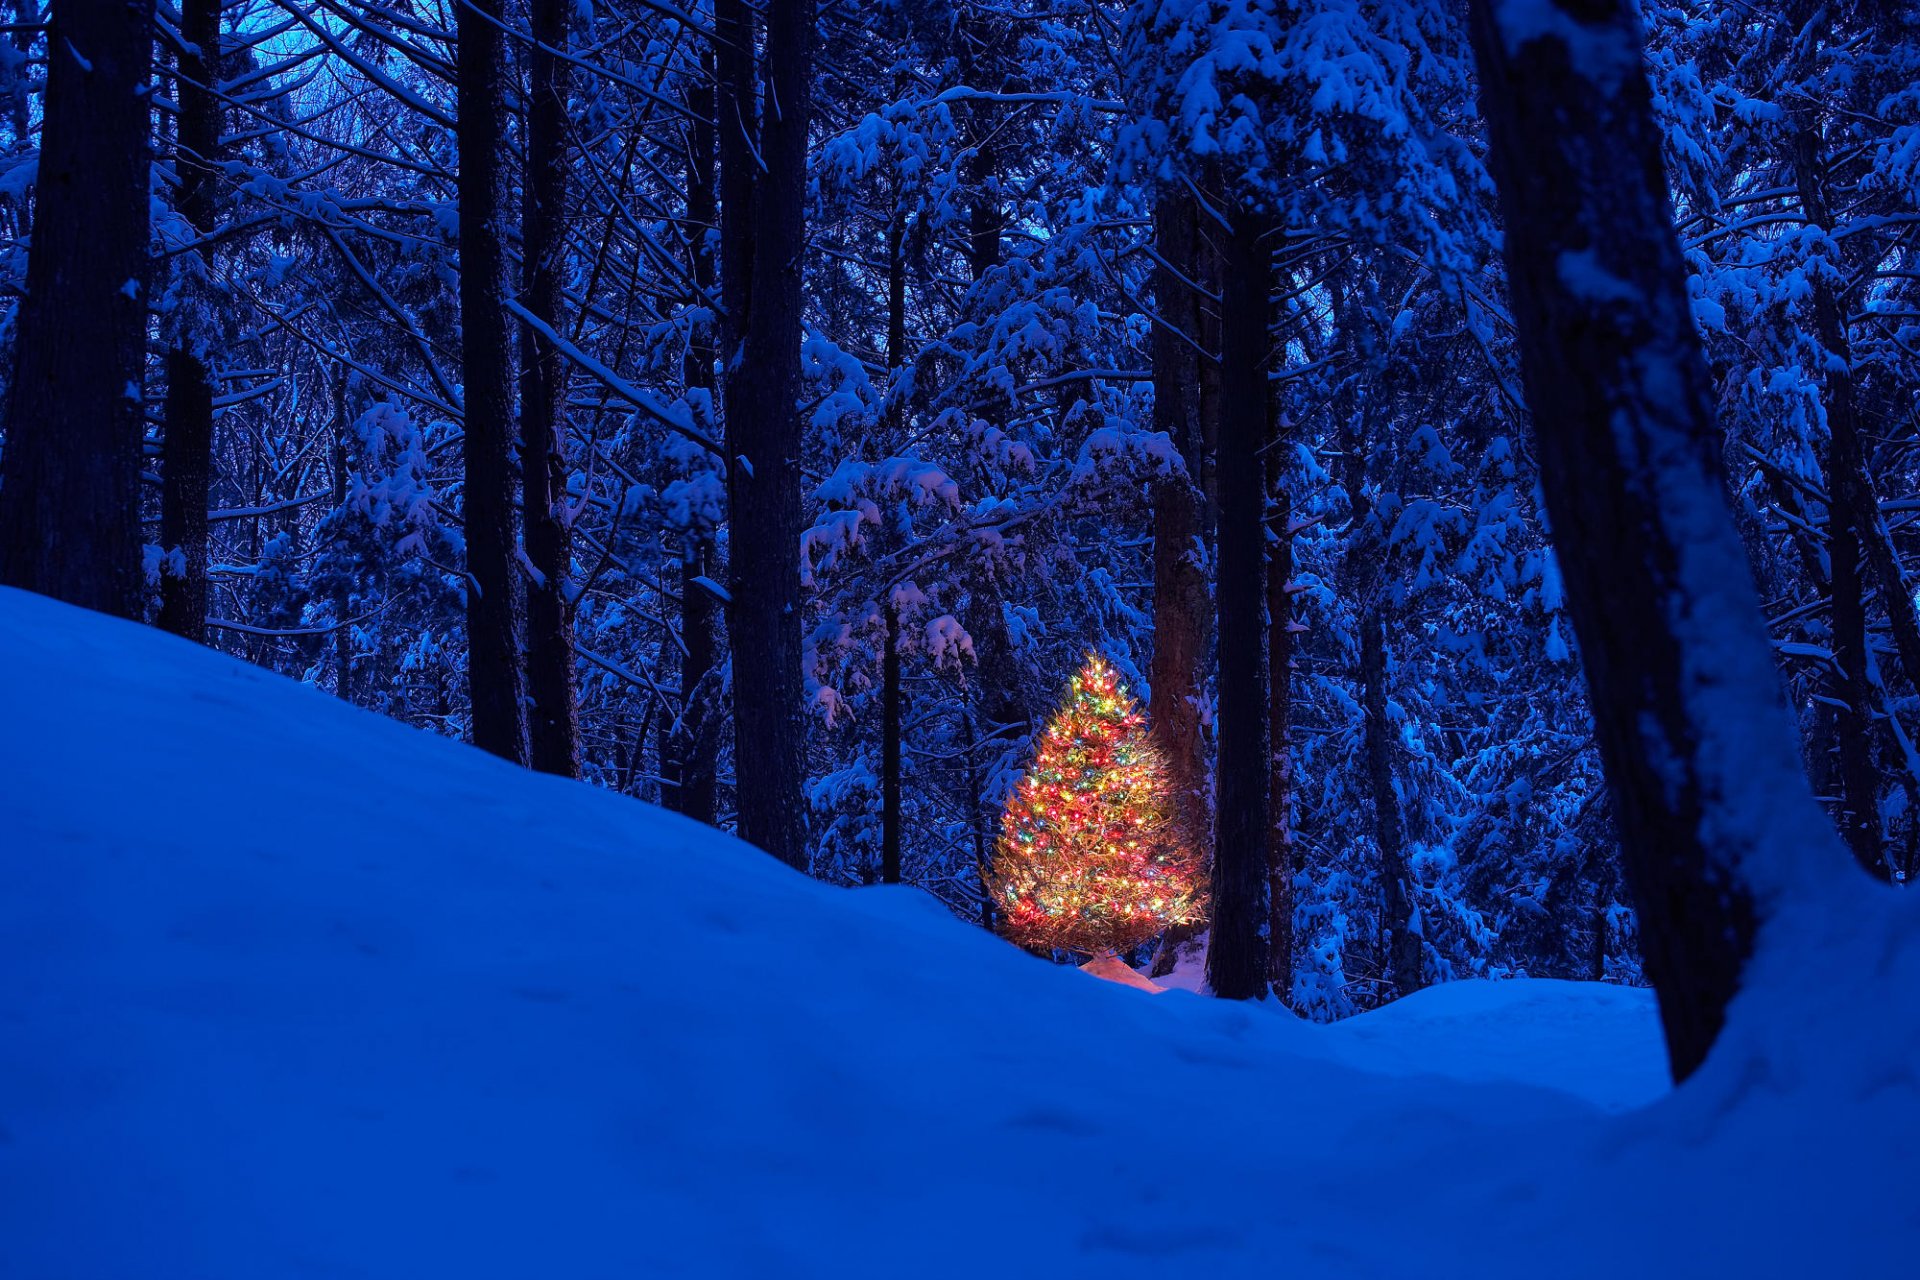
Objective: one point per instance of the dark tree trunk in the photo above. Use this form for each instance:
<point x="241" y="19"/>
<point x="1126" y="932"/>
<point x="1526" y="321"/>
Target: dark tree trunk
<point x="186" y="479"/>
<point x="1851" y="517"/>
<point x="187" y="460"/>
<point x="763" y="245"/>
<point x="986" y="219"/>
<point x="1181" y="609"/>
<point x="1697" y="745"/>
<point x="1180" y="604"/>
<point x="495" y="680"/>
<point x="1396" y="891"/>
<point x="1858" y="809"/>
<point x="1280" y="851"/>
<point x="890" y="752"/>
<point x="70" y="483"/>
<point x="553" y="703"/>
<point x="1237" y="964"/>
<point x="688" y="764"/>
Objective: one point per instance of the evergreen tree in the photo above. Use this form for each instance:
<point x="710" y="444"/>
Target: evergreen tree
<point x="1093" y="855"/>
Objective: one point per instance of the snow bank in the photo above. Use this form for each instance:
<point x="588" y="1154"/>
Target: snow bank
<point x="294" y="991"/>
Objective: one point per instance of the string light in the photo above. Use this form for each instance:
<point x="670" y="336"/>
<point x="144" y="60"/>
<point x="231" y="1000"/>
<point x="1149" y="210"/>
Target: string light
<point x="1091" y="855"/>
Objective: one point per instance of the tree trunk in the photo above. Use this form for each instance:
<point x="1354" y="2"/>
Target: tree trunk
<point x="1280" y="850"/>
<point x="1711" y="804"/>
<point x="1181" y="609"/>
<point x="763" y="246"/>
<point x="1858" y="811"/>
<point x="187" y="460"/>
<point x="495" y="681"/>
<point x="70" y="492"/>
<point x="691" y="742"/>
<point x="553" y="702"/>
<point x="1237" y="963"/>
<point x="1397" y="919"/>
<point x="1852" y="512"/>
<point x="1180" y="604"/>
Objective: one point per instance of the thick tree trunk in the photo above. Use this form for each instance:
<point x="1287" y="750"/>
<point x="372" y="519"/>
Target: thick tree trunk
<point x="553" y="701"/>
<point x="495" y="681"/>
<point x="187" y="460"/>
<point x="1237" y="949"/>
<point x="1180" y="605"/>
<point x="70" y="478"/>
<point x="1181" y="609"/>
<point x="763" y="246"/>
<point x="1711" y="803"/>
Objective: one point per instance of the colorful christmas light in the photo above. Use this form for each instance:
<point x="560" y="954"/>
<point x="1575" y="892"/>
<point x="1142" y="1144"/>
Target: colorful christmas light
<point x="1091" y="855"/>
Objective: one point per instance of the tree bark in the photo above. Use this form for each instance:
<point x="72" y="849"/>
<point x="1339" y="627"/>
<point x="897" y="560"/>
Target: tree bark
<point x="1180" y="604"/>
<point x="553" y="700"/>
<point x="763" y="246"/>
<point x="70" y="477"/>
<point x="187" y="459"/>
<point x="691" y="743"/>
<point x="1237" y="950"/>
<point x="495" y="679"/>
<point x="1852" y="513"/>
<point x="1711" y="804"/>
<point x="1181" y="608"/>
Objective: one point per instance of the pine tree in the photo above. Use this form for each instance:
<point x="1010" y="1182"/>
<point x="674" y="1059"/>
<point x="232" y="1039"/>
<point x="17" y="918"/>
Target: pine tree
<point x="1093" y="855"/>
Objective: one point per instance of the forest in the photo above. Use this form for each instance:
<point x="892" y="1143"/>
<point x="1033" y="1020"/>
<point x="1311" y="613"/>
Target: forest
<point x="1440" y="473"/>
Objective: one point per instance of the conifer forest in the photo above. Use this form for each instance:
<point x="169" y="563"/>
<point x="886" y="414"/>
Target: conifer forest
<point x="1387" y="530"/>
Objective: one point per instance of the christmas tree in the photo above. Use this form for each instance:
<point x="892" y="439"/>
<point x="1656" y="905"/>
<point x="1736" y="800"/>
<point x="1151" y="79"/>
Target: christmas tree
<point x="1091" y="855"/>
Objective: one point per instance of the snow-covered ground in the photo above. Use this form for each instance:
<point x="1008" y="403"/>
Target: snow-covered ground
<point x="288" y="990"/>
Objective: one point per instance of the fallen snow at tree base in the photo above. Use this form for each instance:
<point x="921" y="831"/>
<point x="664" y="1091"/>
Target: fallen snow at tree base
<point x="292" y="990"/>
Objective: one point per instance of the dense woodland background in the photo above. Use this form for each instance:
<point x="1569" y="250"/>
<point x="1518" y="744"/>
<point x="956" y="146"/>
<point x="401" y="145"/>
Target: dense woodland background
<point x="1177" y="330"/>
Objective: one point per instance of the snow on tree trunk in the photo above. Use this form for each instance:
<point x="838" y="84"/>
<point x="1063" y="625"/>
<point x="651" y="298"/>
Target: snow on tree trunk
<point x="1717" y="825"/>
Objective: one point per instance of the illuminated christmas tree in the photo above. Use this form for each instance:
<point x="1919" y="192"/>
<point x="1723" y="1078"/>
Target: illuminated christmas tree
<point x="1091" y="855"/>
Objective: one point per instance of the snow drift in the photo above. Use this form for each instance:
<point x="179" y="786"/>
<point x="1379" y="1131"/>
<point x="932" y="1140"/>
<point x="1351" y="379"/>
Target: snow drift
<point x="291" y="990"/>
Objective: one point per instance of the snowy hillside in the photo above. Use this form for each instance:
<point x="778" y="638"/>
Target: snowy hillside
<point x="291" y="990"/>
